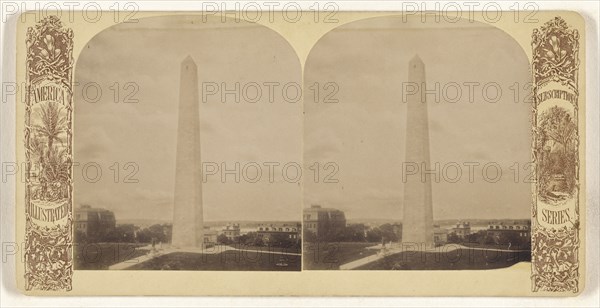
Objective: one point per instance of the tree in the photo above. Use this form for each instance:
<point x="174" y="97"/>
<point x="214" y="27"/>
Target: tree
<point x="453" y="238"/>
<point x="242" y="239"/>
<point x="282" y="240"/>
<point x="223" y="239"/>
<point x="258" y="241"/>
<point x="52" y="123"/>
<point x="56" y="172"/>
<point x="556" y="124"/>
<point x="161" y="232"/>
<point x="158" y="232"/>
<point x="374" y="235"/>
<point x="249" y="238"/>
<point x="122" y="233"/>
<point x="144" y="236"/>
<point x="354" y="233"/>
<point x="514" y="240"/>
<point x="387" y="233"/>
<point x="488" y="239"/>
<point x="477" y="237"/>
<point x="51" y="159"/>
<point x="559" y="157"/>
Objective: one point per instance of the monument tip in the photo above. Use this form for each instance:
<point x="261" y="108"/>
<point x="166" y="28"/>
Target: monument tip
<point x="416" y="59"/>
<point x="189" y="59"/>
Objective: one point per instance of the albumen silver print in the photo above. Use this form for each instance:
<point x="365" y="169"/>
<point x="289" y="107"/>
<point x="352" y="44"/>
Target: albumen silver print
<point x="302" y="155"/>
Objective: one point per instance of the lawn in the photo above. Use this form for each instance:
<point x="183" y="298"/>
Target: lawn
<point x="99" y="256"/>
<point x="460" y="259"/>
<point x="225" y="261"/>
<point x="329" y="256"/>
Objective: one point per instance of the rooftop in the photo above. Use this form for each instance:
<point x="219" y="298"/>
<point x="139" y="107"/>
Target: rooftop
<point x="89" y="208"/>
<point x="318" y="208"/>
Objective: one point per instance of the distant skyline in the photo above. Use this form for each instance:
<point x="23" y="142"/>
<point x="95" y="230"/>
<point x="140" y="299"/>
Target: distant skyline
<point x="208" y="221"/>
<point x="349" y="220"/>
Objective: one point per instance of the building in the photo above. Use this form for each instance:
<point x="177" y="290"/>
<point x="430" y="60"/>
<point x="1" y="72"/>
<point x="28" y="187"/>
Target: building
<point x="462" y="229"/>
<point x="519" y="230"/>
<point x="210" y="236"/>
<point x="440" y="236"/>
<point x="95" y="223"/>
<point x="397" y="228"/>
<point x="324" y="222"/>
<point x="232" y="231"/>
<point x="270" y="232"/>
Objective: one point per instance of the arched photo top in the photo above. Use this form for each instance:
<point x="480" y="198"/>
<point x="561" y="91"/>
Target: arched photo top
<point x="477" y="91"/>
<point x="415" y="24"/>
<point x="126" y="110"/>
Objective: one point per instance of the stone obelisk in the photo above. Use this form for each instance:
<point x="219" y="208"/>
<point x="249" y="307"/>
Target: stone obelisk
<point x="188" y="223"/>
<point x="417" y="225"/>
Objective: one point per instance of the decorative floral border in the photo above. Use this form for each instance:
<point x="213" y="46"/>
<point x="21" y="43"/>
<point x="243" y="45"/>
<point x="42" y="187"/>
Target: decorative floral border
<point x="48" y="157"/>
<point x="48" y="153"/>
<point x="555" y="153"/>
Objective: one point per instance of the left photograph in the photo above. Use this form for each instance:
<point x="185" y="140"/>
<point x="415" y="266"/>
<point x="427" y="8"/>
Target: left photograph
<point x="188" y="147"/>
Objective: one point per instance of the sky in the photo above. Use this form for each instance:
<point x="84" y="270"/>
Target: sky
<point x="364" y="133"/>
<point x="149" y="54"/>
<point x="361" y="136"/>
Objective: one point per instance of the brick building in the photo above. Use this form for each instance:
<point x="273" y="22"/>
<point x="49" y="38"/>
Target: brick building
<point x="269" y="232"/>
<point x="521" y="230"/>
<point x="95" y="223"/>
<point x="324" y="222"/>
<point x="462" y="229"/>
<point x="232" y="231"/>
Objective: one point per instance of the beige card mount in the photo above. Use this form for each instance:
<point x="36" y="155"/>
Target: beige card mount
<point x="371" y="153"/>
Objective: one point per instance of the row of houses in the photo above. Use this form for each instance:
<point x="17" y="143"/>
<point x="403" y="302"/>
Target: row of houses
<point x="265" y="230"/>
<point x="520" y="229"/>
<point x="95" y="223"/>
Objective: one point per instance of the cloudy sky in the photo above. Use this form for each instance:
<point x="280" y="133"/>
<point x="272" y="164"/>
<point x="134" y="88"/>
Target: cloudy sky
<point x="364" y="133"/>
<point x="149" y="54"/>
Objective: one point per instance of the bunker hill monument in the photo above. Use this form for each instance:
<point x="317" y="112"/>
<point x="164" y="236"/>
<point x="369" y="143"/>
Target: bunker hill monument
<point x="188" y="223"/>
<point x="417" y="224"/>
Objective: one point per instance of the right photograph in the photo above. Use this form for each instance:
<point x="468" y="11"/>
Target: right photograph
<point x="417" y="139"/>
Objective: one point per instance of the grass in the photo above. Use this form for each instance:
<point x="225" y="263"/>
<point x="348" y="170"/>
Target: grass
<point x="99" y="256"/>
<point x="460" y="259"/>
<point x="226" y="261"/>
<point x="329" y="256"/>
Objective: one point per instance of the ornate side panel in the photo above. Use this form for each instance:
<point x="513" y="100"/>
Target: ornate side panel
<point x="48" y="154"/>
<point x="555" y="153"/>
